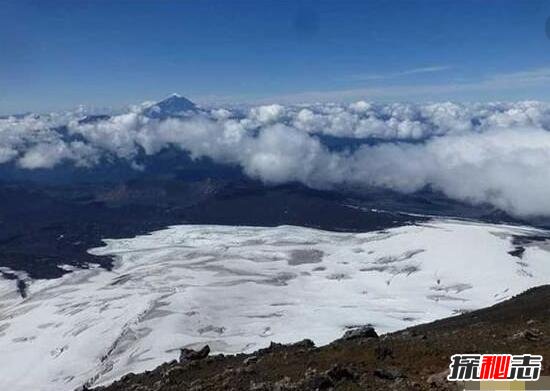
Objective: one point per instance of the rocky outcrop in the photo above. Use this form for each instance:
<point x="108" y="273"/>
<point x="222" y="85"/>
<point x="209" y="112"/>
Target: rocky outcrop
<point x="360" y="332"/>
<point x="192" y="355"/>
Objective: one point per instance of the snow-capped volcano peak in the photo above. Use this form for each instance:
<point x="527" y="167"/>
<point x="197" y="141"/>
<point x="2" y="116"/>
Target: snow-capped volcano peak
<point x="174" y="105"/>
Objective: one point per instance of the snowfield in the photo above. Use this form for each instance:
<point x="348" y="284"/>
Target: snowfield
<point x="238" y="288"/>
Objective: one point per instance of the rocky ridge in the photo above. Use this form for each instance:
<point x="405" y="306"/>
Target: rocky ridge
<point x="412" y="359"/>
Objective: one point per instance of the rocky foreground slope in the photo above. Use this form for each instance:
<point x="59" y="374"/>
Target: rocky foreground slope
<point x="412" y="359"/>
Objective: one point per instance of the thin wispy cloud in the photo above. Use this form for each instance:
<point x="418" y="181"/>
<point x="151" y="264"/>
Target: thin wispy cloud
<point x="527" y="77"/>
<point x="400" y="74"/>
<point x="532" y="78"/>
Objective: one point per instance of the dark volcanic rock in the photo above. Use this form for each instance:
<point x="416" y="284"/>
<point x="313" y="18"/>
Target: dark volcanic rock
<point x="338" y="373"/>
<point x="438" y="379"/>
<point x="192" y="355"/>
<point x="529" y="334"/>
<point x="46" y="226"/>
<point x="314" y="380"/>
<point x="360" y="332"/>
<point x="383" y="351"/>
<point x="304" y="344"/>
<point x="388" y="373"/>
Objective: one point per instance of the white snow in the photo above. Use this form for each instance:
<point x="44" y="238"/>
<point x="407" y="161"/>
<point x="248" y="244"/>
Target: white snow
<point x="238" y="288"/>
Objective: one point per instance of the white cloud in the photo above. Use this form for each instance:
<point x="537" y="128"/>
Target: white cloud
<point x="398" y="74"/>
<point x="44" y="155"/>
<point x="267" y="114"/>
<point x="504" y="167"/>
<point x="7" y="154"/>
<point x="497" y="153"/>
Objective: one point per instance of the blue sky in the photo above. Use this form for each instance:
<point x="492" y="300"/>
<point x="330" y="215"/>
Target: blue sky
<point x="59" y="54"/>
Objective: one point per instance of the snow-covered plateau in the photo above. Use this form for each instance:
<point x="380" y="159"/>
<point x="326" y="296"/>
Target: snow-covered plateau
<point x="238" y="288"/>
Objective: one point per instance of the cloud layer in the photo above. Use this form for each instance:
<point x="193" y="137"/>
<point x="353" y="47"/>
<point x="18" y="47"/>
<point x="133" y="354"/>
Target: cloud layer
<point x="497" y="153"/>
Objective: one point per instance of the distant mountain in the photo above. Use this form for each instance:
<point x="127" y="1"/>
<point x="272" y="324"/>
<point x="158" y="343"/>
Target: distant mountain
<point x="90" y="119"/>
<point x="20" y="115"/>
<point x="173" y="106"/>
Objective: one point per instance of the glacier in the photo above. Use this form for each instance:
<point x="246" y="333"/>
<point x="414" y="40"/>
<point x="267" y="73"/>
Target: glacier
<point x="238" y="288"/>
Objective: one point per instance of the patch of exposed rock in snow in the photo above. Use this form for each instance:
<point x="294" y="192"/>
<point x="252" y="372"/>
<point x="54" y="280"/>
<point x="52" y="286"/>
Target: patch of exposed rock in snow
<point x="238" y="288"/>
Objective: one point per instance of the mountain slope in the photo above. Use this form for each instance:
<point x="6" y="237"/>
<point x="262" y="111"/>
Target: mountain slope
<point x="238" y="288"/>
<point x="412" y="359"/>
